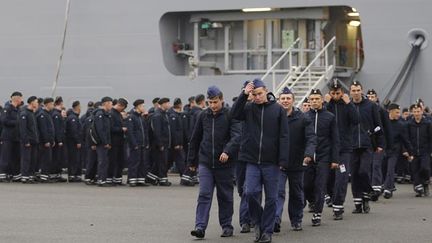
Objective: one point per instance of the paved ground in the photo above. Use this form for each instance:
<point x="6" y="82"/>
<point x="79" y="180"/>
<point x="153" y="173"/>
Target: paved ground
<point x="79" y="213"/>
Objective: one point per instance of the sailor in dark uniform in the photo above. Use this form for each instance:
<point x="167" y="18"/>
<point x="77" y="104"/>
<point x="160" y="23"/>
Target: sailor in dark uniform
<point x="117" y="152"/>
<point x="46" y="131"/>
<point x="73" y="142"/>
<point x="102" y="125"/>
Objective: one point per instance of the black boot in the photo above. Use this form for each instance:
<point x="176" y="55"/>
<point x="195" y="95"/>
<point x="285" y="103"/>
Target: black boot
<point x="198" y="233"/>
<point x="316" y="219"/>
<point x="366" y="207"/>
<point x="358" y="209"/>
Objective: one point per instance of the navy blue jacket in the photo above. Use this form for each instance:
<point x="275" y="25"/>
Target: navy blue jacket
<point x="420" y="136"/>
<point x="59" y="126"/>
<point x="399" y="138"/>
<point x="346" y="118"/>
<point x="46" y="127"/>
<point x="192" y="115"/>
<point x="385" y="121"/>
<point x="137" y="131"/>
<point x="213" y="135"/>
<point x="177" y="127"/>
<point x="86" y="124"/>
<point x="9" y="120"/>
<point x="302" y="140"/>
<point x="102" y="123"/>
<point x="28" y="128"/>
<point x="161" y="127"/>
<point x="117" y="134"/>
<point x="73" y="128"/>
<point x="266" y="132"/>
<point x="363" y="135"/>
<point x="325" y="127"/>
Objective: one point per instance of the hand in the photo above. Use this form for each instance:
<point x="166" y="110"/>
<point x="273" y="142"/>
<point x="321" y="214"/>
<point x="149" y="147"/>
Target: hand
<point x="27" y="145"/>
<point x="223" y="158"/>
<point x="379" y="149"/>
<point x="307" y="160"/>
<point x="410" y="159"/>
<point x="78" y="146"/>
<point x="192" y="168"/>
<point x="406" y="154"/>
<point x="107" y="146"/>
<point x="93" y="147"/>
<point x="346" y="98"/>
<point x="334" y="166"/>
<point x="47" y="145"/>
<point x="249" y="88"/>
<point x="327" y="98"/>
<point x="124" y="129"/>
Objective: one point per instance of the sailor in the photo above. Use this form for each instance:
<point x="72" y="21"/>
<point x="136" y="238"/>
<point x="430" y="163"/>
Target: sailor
<point x="156" y="105"/>
<point x="369" y="129"/>
<point x="59" y="149"/>
<point x="302" y="148"/>
<point x="265" y="147"/>
<point x="117" y="152"/>
<point x="339" y="103"/>
<point x="178" y="120"/>
<point x="89" y="145"/>
<point x="213" y="147"/>
<point x="73" y="138"/>
<point x="400" y="140"/>
<point x="10" y="156"/>
<point x="305" y="105"/>
<point x="139" y="145"/>
<point x="326" y="155"/>
<point x="102" y="126"/>
<point x="162" y="140"/>
<point x="420" y="136"/>
<point x="29" y="138"/>
<point x="46" y="133"/>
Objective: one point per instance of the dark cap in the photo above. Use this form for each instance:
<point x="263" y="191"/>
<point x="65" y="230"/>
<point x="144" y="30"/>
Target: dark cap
<point x="75" y="103"/>
<point x="58" y="100"/>
<point x="405" y="110"/>
<point x="415" y="106"/>
<point x="393" y="106"/>
<point x="16" y="93"/>
<point x="315" y="92"/>
<point x="286" y="90"/>
<point x="90" y="104"/>
<point x="245" y="83"/>
<point x="123" y="102"/>
<point x="335" y="85"/>
<point x="199" y="98"/>
<point x="106" y="99"/>
<point x="190" y="99"/>
<point x="357" y="83"/>
<point x="31" y="99"/>
<point x="306" y="100"/>
<point x="48" y="100"/>
<point x="138" y="102"/>
<point x="97" y="104"/>
<point x="177" y="101"/>
<point x="163" y="101"/>
<point x="371" y="92"/>
<point x="155" y="100"/>
<point x="213" y="92"/>
<point x="40" y="100"/>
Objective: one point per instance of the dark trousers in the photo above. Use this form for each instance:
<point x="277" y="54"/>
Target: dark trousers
<point x="45" y="159"/>
<point x="295" y="197"/>
<point x="59" y="158"/>
<point x="341" y="182"/>
<point x="159" y="163"/>
<point x="10" y="159"/>
<point x="315" y="181"/>
<point x="91" y="164"/>
<point x="421" y="169"/>
<point x="138" y="165"/>
<point x="240" y="182"/>
<point x="74" y="159"/>
<point x="102" y="163"/>
<point x="403" y="167"/>
<point x="117" y="162"/>
<point x="390" y="175"/>
<point x="377" y="174"/>
<point x="222" y="180"/>
<point x="257" y="176"/>
<point x="28" y="161"/>
<point x="177" y="156"/>
<point x="361" y="160"/>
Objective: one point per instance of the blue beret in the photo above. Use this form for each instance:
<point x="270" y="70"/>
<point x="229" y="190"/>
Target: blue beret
<point x="286" y="90"/>
<point x="213" y="92"/>
<point x="258" y="83"/>
<point x="245" y="83"/>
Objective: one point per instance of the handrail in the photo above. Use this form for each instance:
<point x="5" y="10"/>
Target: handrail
<point x="280" y="58"/>
<point x="331" y="67"/>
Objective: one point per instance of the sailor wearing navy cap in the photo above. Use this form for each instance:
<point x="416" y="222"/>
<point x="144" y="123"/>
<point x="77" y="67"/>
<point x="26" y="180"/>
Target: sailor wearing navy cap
<point x="341" y="106"/>
<point x="302" y="148"/>
<point x="73" y="142"/>
<point x="265" y="147"/>
<point x="46" y="131"/>
<point x="213" y="148"/>
<point x="326" y="155"/>
<point x="117" y="152"/>
<point x="102" y="124"/>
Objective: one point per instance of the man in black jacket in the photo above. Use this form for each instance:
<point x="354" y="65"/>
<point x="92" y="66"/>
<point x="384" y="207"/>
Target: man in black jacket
<point x="265" y="147"/>
<point x="102" y="125"/>
<point x="326" y="155"/>
<point x="29" y="138"/>
<point x="176" y="156"/>
<point x="302" y="148"/>
<point x="73" y="142"/>
<point x="344" y="110"/>
<point x="46" y="131"/>
<point x="10" y="156"/>
<point x="117" y="152"/>
<point x="214" y="145"/>
<point x="139" y="145"/>
<point x="59" y="149"/>
<point x="420" y="136"/>
<point x="367" y="135"/>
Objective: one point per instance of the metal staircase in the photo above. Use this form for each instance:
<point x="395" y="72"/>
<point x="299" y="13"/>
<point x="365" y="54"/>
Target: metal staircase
<point x="301" y="79"/>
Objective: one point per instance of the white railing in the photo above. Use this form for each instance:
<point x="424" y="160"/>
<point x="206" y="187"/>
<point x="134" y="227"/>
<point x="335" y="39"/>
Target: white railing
<point x="328" y="67"/>
<point x="323" y="78"/>
<point x="273" y="70"/>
